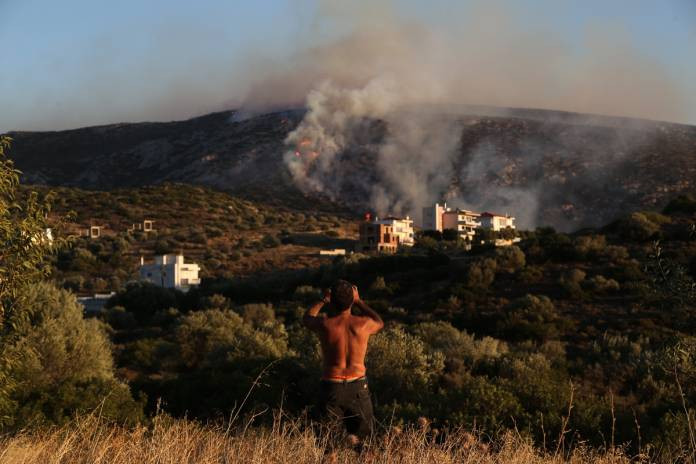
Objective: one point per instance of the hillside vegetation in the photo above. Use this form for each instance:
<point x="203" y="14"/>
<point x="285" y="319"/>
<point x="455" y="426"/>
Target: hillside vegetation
<point x="562" y="169"/>
<point x="566" y="340"/>
<point x="226" y="235"/>
<point x="587" y="336"/>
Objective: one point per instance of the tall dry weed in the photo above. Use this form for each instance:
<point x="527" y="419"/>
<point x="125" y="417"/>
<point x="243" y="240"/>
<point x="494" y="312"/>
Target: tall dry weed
<point x="89" y="440"/>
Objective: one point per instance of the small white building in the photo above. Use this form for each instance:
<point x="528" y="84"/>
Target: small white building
<point x="402" y="228"/>
<point x="497" y="221"/>
<point x="170" y="271"/>
<point x="334" y="252"/>
<point x="145" y="226"/>
<point x="465" y="222"/>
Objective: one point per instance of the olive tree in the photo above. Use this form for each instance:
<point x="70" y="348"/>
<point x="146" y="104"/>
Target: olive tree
<point x="24" y="244"/>
<point x="61" y="363"/>
<point x="22" y="256"/>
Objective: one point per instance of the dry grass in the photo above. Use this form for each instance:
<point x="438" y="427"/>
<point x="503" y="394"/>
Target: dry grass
<point x="92" y="441"/>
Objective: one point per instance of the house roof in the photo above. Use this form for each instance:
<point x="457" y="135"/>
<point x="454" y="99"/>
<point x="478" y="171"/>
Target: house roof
<point x="489" y="214"/>
<point x="462" y="211"/>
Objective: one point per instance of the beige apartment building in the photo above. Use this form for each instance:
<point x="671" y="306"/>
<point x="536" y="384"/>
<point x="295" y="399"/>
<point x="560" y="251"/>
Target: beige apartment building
<point x="465" y="222"/>
<point x="376" y="237"/>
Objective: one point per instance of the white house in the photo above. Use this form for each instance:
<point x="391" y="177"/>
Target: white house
<point x="497" y="221"/>
<point x="402" y="228"/>
<point x="170" y="271"/>
<point x="465" y="222"/>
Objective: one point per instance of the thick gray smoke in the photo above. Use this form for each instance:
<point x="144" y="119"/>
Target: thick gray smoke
<point x="333" y="115"/>
<point x="386" y="67"/>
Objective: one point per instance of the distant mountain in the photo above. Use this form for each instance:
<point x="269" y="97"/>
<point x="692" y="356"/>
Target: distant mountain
<point x="578" y="170"/>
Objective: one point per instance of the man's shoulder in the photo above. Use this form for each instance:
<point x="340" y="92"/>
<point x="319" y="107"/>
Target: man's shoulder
<point x="359" y="320"/>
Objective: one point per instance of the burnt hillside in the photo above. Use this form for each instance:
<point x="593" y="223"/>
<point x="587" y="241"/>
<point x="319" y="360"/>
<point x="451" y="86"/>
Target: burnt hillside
<point x="576" y="170"/>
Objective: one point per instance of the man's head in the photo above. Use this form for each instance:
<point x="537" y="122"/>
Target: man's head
<point x="342" y="295"/>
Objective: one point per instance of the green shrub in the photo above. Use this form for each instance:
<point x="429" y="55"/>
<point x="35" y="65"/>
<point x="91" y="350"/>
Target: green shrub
<point x="442" y="337"/>
<point x="257" y="315"/>
<point x="638" y="227"/>
<point x="476" y="401"/>
<point x="601" y="284"/>
<point x="481" y="274"/>
<point x="590" y="245"/>
<point x="118" y="318"/>
<point x="509" y="259"/>
<point x="530" y="275"/>
<point x="571" y="281"/>
<point x="148" y="354"/>
<point x="74" y="283"/>
<point x="616" y="254"/>
<point x="210" y="337"/>
<point x="530" y="317"/>
<point x="62" y="363"/>
<point x="216" y="301"/>
<point x="400" y="365"/>
<point x="145" y="299"/>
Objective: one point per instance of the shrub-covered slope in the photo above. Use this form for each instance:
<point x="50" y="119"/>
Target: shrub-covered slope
<point x="575" y="170"/>
<point x="602" y="320"/>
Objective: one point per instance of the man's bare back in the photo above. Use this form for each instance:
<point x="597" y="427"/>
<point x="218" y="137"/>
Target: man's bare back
<point x="344" y="393"/>
<point x="343" y="337"/>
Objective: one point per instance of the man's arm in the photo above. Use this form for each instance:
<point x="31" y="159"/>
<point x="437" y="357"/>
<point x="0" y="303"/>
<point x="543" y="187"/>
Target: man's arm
<point x="311" y="319"/>
<point x="376" y="322"/>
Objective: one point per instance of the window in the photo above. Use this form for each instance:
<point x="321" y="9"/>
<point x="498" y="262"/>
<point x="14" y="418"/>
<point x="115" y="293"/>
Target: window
<point x="184" y="281"/>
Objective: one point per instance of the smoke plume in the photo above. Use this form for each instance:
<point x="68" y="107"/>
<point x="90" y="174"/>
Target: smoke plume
<point x="408" y="75"/>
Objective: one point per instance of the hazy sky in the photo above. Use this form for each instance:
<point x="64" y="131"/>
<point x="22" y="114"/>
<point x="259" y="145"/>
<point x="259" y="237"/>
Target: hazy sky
<point x="73" y="63"/>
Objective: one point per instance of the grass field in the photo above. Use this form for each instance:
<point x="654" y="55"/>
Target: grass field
<point x="89" y="440"/>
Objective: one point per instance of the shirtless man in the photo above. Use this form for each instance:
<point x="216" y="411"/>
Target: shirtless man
<point x="344" y="336"/>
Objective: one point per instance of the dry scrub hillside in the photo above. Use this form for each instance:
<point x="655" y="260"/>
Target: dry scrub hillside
<point x="223" y="233"/>
<point x="551" y="168"/>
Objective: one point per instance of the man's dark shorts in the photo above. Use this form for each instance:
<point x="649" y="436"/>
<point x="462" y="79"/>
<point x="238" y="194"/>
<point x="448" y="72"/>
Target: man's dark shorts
<point x="349" y="402"/>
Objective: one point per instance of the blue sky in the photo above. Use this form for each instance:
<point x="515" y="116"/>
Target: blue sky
<point x="78" y="62"/>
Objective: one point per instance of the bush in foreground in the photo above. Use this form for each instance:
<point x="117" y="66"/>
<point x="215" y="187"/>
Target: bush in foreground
<point x="61" y="364"/>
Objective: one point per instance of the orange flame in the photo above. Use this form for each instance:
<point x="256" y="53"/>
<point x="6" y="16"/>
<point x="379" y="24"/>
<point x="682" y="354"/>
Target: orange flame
<point x="304" y="148"/>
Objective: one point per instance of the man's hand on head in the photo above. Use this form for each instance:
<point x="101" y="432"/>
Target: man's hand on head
<point x="327" y="296"/>
<point x="356" y="295"/>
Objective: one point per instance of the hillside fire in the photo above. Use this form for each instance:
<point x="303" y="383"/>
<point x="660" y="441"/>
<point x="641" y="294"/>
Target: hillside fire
<point x="305" y="150"/>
